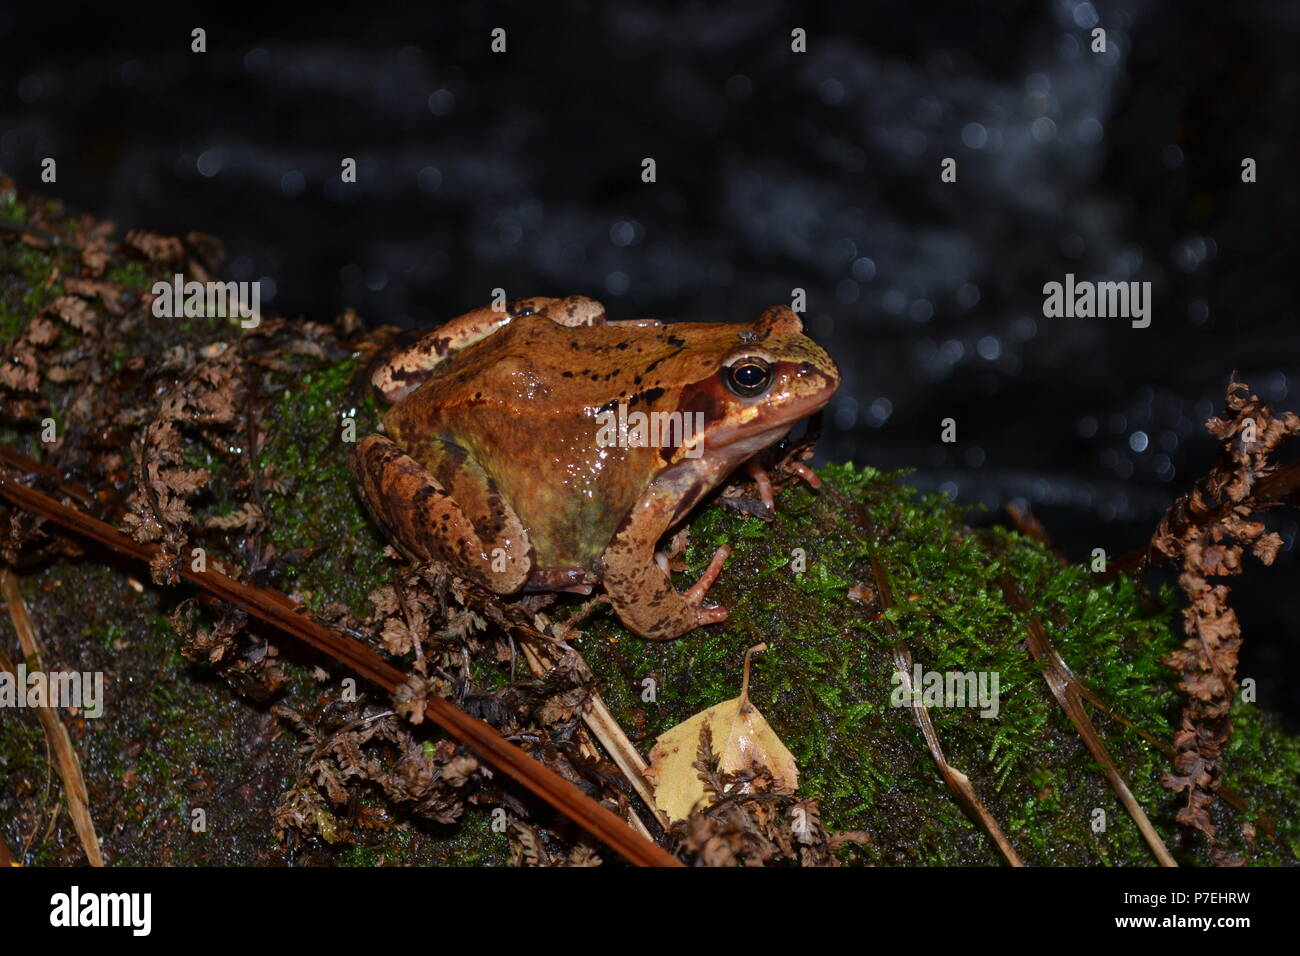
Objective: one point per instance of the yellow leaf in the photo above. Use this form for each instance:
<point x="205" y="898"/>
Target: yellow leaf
<point x="742" y="738"/>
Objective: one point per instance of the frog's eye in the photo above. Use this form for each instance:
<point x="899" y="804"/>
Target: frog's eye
<point x="748" y="377"/>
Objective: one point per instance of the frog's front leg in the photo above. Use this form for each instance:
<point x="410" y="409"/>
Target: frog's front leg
<point x="446" y="507"/>
<point x="640" y="590"/>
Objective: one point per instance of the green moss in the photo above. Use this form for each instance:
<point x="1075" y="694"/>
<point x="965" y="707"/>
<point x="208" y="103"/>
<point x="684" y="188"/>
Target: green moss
<point x="172" y="738"/>
<point x="469" y="842"/>
<point x="825" y="682"/>
<point x="25" y="271"/>
<point x="11" y="323"/>
<point x="133" y="275"/>
<point x="1264" y="767"/>
<point x="11" y="208"/>
<point x="308" y="448"/>
<point x="35" y="265"/>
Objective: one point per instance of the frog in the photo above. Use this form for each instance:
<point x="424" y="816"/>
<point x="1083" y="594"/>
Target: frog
<point x="499" y="454"/>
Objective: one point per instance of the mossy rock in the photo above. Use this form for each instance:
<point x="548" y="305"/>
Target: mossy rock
<point x="824" y="683"/>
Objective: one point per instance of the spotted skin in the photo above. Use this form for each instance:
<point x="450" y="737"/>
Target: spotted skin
<point x="420" y="509"/>
<point x="411" y="368"/>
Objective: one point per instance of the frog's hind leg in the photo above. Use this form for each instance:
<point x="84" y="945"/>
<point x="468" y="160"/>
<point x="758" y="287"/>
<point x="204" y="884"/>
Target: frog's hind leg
<point x="408" y="369"/>
<point x="450" y="510"/>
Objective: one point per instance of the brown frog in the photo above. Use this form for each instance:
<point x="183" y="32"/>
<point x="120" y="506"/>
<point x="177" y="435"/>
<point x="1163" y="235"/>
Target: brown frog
<point x="544" y="447"/>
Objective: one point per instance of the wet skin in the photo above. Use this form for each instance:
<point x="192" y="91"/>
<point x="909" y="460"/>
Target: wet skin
<point x="497" y="456"/>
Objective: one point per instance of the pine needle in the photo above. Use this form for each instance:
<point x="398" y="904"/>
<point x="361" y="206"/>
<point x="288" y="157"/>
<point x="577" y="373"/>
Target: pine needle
<point x="957" y="781"/>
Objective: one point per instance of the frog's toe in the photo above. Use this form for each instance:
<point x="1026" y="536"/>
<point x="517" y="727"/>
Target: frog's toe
<point x="711" y="615"/>
<point x="806" y="473"/>
<point x="695" y="594"/>
<point x="764" y="485"/>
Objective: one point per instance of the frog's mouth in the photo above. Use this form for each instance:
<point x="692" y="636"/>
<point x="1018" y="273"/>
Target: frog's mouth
<point x="747" y="438"/>
<point x="727" y="447"/>
<point x="739" y="443"/>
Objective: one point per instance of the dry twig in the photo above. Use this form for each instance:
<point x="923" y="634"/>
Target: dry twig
<point x="65" y="755"/>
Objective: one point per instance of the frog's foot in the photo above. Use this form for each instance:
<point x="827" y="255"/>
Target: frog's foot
<point x="576" y="310"/>
<point x="572" y="311"/>
<point x="427" y="511"/>
<point x="806" y="473"/>
<point x="695" y="593"/>
<point x="764" y="483"/>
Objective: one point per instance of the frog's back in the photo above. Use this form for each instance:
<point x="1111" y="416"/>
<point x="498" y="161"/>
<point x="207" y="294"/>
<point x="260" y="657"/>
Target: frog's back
<point x="585" y="365"/>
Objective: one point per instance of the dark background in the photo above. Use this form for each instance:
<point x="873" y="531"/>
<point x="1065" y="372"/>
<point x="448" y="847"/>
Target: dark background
<point x="775" y="170"/>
